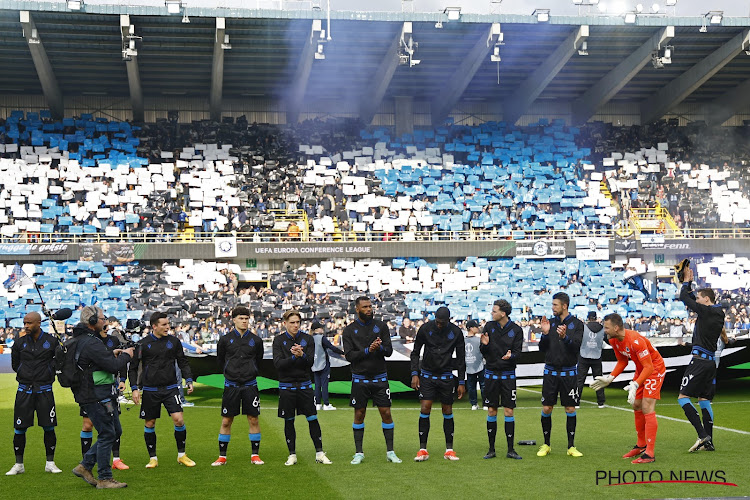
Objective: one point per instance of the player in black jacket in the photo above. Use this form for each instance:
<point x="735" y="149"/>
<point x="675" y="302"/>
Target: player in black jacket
<point x="699" y="380"/>
<point x="32" y="357"/>
<point x="293" y="356"/>
<point x="155" y="356"/>
<point x="561" y="341"/>
<point x="501" y="345"/>
<point x="367" y="342"/>
<point x="240" y="353"/>
<point x="434" y="378"/>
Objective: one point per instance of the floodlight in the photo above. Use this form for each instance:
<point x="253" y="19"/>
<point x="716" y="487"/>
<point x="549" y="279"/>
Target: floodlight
<point x="34" y="38"/>
<point x="226" y="45"/>
<point x="173" y="6"/>
<point x="75" y="4"/>
<point x="630" y="17"/>
<point x="602" y="7"/>
<point x="639" y="8"/>
<point x="715" y="16"/>
<point x="655" y="8"/>
<point x="453" y="13"/>
<point x="542" y="15"/>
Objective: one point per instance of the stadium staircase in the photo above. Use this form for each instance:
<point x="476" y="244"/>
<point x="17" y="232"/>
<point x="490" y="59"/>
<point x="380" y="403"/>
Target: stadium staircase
<point x="282" y="219"/>
<point x="654" y="220"/>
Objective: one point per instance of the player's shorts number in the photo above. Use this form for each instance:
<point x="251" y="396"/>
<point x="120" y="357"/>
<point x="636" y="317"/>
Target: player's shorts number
<point x="573" y="393"/>
<point x="684" y="383"/>
<point x="388" y="393"/>
<point x="256" y="402"/>
<point x="650" y="385"/>
<point x="513" y="395"/>
<point x="52" y="412"/>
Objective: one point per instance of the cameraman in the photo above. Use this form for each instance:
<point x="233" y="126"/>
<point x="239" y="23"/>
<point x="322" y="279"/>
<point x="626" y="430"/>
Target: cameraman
<point x="97" y="394"/>
<point x="112" y="342"/>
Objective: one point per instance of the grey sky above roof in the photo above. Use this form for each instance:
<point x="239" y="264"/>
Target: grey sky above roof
<point x="732" y="8"/>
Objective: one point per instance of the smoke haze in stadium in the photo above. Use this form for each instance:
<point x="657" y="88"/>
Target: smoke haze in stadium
<point x="684" y="7"/>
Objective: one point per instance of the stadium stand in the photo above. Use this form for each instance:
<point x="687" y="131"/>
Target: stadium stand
<point x="85" y="176"/>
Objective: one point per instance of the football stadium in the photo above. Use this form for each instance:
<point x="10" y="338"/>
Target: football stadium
<point x="291" y="211"/>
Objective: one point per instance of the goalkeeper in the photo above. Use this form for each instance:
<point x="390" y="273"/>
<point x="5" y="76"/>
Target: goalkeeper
<point x="644" y="390"/>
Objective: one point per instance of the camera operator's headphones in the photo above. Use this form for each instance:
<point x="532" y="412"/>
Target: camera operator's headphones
<point x="94" y="319"/>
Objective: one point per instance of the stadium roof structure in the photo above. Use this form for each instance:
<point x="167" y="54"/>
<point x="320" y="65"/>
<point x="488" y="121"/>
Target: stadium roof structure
<point x="656" y="61"/>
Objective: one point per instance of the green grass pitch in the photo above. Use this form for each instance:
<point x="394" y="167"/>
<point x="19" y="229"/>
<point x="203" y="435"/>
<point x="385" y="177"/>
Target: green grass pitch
<point x="603" y="435"/>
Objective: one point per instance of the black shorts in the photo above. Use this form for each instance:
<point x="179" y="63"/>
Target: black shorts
<point x="699" y="380"/>
<point x="560" y="381"/>
<point x="28" y="401"/>
<point x="245" y="396"/>
<point x="437" y="387"/>
<point x="151" y="402"/>
<point x="365" y="388"/>
<point x="499" y="389"/>
<point x="296" y="399"/>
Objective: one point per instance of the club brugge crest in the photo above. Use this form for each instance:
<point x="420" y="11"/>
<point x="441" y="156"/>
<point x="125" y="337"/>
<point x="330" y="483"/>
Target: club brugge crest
<point x="451" y="336"/>
<point x="511" y="334"/>
<point x="541" y="248"/>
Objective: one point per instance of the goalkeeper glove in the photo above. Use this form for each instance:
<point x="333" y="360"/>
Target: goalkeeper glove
<point x="632" y="387"/>
<point x="601" y="382"/>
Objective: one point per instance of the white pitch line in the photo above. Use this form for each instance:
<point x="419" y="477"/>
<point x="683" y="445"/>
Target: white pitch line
<point x="659" y="416"/>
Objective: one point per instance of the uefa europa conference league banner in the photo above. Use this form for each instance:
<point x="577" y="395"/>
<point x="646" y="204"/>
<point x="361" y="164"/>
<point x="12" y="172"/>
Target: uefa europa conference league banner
<point x="33" y="248"/>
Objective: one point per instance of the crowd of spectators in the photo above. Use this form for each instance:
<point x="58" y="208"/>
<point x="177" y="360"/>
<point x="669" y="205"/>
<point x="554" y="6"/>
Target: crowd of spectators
<point x="201" y="317"/>
<point x="264" y="166"/>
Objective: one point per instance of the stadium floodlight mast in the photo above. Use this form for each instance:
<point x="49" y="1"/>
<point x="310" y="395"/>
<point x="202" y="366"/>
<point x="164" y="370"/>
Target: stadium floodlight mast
<point x="542" y="15"/>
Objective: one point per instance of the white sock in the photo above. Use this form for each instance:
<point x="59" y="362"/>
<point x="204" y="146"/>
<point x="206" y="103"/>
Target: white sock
<point x="180" y="454"/>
